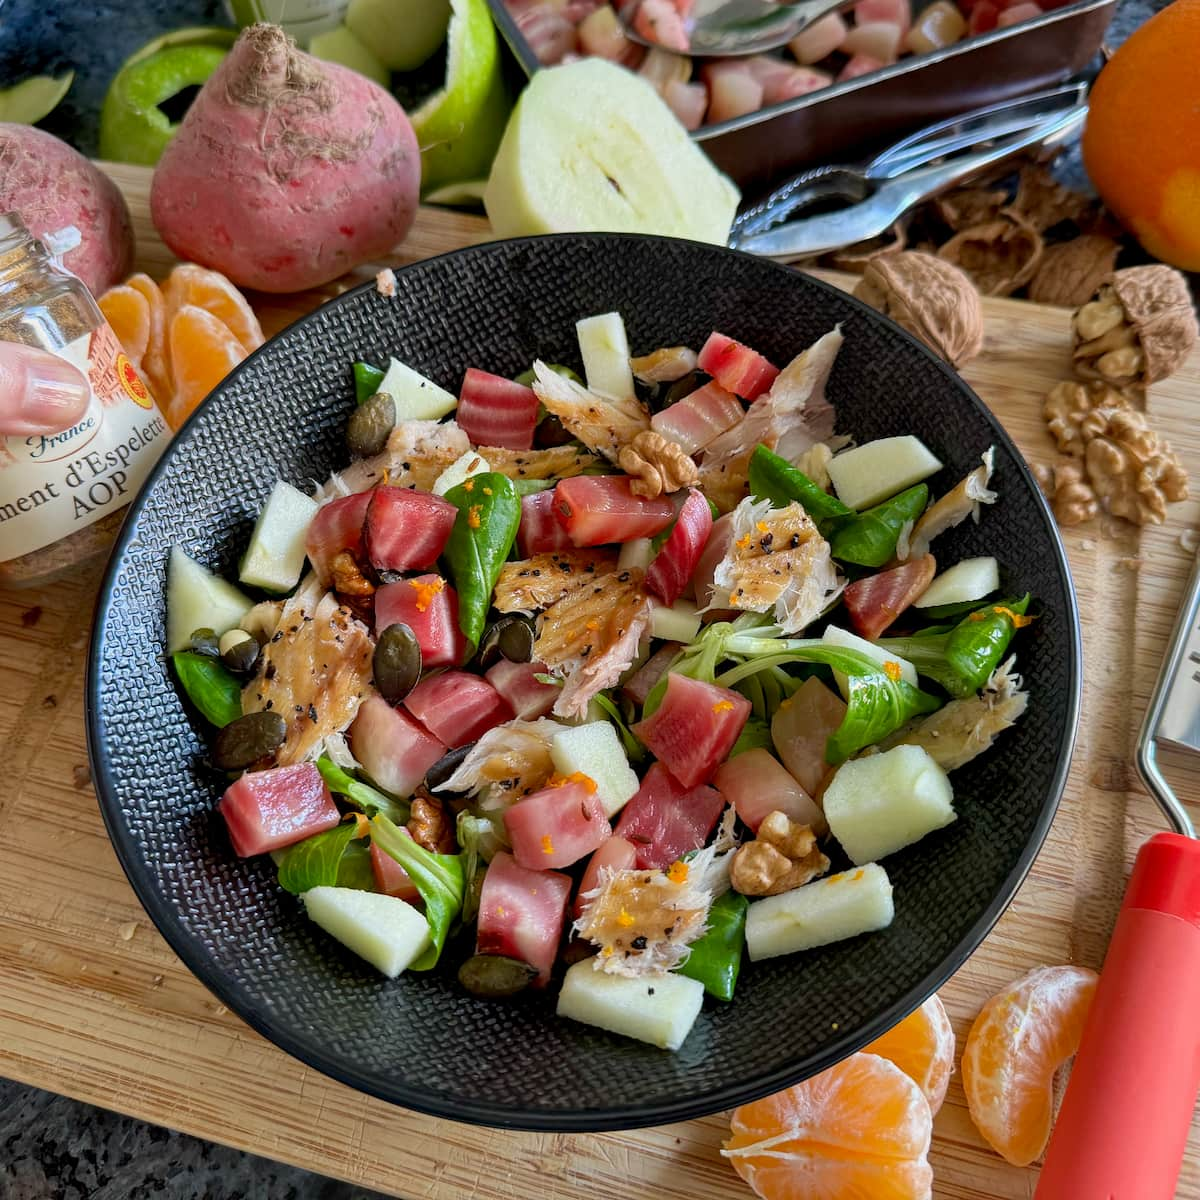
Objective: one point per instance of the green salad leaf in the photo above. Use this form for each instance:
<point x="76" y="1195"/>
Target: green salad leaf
<point x="870" y="537"/>
<point x="774" y="478"/>
<point x="362" y="795"/>
<point x="366" y="381"/>
<point x="209" y="685"/>
<point x="338" y="857"/>
<point x="438" y="877"/>
<point x="489" y="511"/>
<point x="962" y="657"/>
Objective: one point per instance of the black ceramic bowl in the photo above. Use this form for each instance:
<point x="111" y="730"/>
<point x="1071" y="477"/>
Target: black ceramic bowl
<point x="420" y="1041"/>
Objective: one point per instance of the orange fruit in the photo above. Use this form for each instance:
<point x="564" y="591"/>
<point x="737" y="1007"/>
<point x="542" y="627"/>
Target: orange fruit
<point x="1019" y="1040"/>
<point x="203" y="352"/>
<point x="210" y="290"/>
<point x="128" y="313"/>
<point x="922" y="1046"/>
<point x="155" y="364"/>
<point x="1142" y="140"/>
<point x="860" y="1129"/>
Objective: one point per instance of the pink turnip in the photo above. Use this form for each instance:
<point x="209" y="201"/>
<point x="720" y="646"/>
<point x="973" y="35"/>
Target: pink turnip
<point x="50" y="186"/>
<point x="287" y="171"/>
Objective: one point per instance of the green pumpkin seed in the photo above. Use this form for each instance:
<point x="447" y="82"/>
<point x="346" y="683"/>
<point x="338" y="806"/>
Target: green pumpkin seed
<point x="511" y="637"/>
<point x="245" y="741"/>
<point x="205" y="641"/>
<point x="369" y="426"/>
<point x="493" y="975"/>
<point x="396" y="662"/>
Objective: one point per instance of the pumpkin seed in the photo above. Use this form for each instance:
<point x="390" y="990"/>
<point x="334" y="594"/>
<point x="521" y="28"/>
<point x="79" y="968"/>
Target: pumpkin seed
<point x="446" y="766"/>
<point x="511" y="637"/>
<point x="250" y="738"/>
<point x="369" y="426"/>
<point x="396" y="662"/>
<point x="494" y="975"/>
<point x="205" y="641"/>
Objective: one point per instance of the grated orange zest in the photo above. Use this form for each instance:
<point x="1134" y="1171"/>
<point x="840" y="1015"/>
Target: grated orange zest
<point x="426" y="591"/>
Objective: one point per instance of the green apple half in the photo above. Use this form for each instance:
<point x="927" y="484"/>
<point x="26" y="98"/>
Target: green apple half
<point x="589" y="147"/>
<point x="133" y="126"/>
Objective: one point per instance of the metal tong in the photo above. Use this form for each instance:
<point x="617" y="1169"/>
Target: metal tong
<point x="914" y="169"/>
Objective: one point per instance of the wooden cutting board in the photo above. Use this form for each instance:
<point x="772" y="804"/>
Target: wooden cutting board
<point x="93" y="1004"/>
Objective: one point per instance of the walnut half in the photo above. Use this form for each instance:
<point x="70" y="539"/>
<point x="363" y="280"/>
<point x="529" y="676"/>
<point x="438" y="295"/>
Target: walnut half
<point x="1137" y="329"/>
<point x="1069" y="408"/>
<point x="1133" y="472"/>
<point x="784" y="855"/>
<point x="656" y="464"/>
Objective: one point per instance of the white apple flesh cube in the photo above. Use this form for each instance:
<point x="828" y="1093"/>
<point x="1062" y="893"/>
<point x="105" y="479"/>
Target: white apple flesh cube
<point x="881" y="803"/>
<point x="871" y="473"/>
<point x="415" y="397"/>
<point x="605" y="350"/>
<point x="971" y="579"/>
<point x="829" y="910"/>
<point x="659" y="1009"/>
<point x="637" y="552"/>
<point x="275" y="556"/>
<point x="678" y="623"/>
<point x="835" y="635"/>
<point x="595" y="750"/>
<point x="459" y="471"/>
<point x="198" y="599"/>
<point x="385" y="930"/>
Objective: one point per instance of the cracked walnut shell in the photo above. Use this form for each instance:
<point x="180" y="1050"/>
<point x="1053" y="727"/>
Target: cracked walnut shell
<point x="1070" y="273"/>
<point x="930" y="298"/>
<point x="1139" y="328"/>
<point x="784" y="855"/>
<point x="656" y="464"/>
<point x="1000" y="256"/>
<point x="1133" y="472"/>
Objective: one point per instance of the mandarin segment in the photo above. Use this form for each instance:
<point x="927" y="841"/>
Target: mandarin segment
<point x="189" y="283"/>
<point x="128" y="313"/>
<point x="203" y="352"/>
<point x="1017" y="1044"/>
<point x="155" y="363"/>
<point x="922" y="1046"/>
<point x="859" y="1131"/>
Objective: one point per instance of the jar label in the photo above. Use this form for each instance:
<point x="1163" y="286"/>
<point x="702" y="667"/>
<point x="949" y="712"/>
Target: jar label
<point x="54" y="484"/>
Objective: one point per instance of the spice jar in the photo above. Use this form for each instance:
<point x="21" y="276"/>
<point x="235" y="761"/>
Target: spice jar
<point x="62" y="495"/>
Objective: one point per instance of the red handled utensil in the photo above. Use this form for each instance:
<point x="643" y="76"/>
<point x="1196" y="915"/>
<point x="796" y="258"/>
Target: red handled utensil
<point x="1124" y="1122"/>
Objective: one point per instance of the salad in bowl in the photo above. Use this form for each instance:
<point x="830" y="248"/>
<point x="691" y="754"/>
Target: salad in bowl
<point x="624" y="679"/>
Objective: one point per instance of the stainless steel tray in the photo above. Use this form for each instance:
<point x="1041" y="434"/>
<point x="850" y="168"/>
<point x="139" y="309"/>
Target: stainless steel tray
<point x="848" y="120"/>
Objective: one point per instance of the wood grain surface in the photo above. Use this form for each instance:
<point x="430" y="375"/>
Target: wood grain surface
<point x="93" y="1004"/>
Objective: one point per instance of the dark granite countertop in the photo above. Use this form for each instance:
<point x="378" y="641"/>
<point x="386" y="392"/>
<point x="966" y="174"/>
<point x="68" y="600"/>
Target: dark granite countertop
<point x="52" y="1148"/>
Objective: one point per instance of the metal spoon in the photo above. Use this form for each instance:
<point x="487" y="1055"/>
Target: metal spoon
<point x="725" y="28"/>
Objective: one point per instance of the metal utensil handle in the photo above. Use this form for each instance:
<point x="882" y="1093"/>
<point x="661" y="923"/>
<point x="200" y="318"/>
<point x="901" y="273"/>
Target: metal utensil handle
<point x="971" y="128"/>
<point x="1147" y="748"/>
<point x="814" y="235"/>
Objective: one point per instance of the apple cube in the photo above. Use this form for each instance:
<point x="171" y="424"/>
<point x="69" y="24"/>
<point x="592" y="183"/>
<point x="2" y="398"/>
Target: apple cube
<point x="385" y="930"/>
<point x="828" y="910"/>
<point x="659" y="1009"/>
<point x="595" y="750"/>
<point x="872" y="472"/>
<point x="881" y="803"/>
